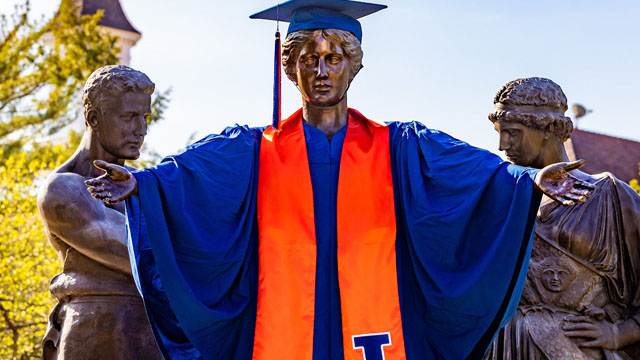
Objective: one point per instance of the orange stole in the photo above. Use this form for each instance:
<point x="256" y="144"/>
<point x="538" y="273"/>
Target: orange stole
<point x="287" y="250"/>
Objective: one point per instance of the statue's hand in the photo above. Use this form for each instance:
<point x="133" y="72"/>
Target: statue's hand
<point x="595" y="312"/>
<point x="115" y="185"/>
<point x="599" y="334"/>
<point x="555" y="181"/>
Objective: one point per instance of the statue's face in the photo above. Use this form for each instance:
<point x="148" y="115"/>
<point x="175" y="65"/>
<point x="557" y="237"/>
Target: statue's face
<point x="555" y="278"/>
<point x="522" y="145"/>
<point x="122" y="126"/>
<point x="322" y="72"/>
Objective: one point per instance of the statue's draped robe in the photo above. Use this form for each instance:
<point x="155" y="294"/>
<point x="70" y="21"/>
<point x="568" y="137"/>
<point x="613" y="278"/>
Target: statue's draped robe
<point x="602" y="236"/>
<point x="464" y="226"/>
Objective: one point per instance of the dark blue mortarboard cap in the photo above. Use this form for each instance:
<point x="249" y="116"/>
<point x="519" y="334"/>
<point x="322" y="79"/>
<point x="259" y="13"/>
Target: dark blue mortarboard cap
<point x="321" y="14"/>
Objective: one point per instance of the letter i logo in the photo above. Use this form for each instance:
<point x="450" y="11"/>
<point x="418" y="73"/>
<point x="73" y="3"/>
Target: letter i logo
<point x="371" y="344"/>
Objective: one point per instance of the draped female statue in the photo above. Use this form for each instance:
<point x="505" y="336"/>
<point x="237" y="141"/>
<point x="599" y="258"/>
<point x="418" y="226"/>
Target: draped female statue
<point x="581" y="298"/>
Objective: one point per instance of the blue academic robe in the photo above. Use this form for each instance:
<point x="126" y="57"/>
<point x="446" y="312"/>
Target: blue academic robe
<point x="464" y="225"/>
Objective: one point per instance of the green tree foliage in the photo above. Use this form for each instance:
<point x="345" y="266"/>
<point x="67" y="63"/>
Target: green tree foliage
<point x="40" y="94"/>
<point x="27" y="262"/>
<point x="39" y="83"/>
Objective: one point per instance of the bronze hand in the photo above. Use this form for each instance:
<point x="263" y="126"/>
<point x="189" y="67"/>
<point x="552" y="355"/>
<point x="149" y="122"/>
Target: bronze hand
<point x="115" y="185"/>
<point x="557" y="183"/>
<point x="602" y="334"/>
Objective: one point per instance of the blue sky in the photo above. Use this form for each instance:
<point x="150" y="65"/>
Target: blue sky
<point x="436" y="61"/>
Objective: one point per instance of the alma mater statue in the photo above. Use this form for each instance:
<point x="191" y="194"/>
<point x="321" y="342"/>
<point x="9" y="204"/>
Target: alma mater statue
<point x="99" y="314"/>
<point x="332" y="236"/>
<point x="581" y="298"/>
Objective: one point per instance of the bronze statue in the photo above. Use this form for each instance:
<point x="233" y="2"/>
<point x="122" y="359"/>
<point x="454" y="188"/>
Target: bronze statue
<point x="100" y="314"/>
<point x="581" y="299"/>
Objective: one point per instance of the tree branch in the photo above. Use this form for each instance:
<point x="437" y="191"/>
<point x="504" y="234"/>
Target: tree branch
<point x="22" y="326"/>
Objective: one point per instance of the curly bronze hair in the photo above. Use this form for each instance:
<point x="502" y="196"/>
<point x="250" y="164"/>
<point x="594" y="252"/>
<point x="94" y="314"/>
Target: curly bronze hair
<point x="110" y="81"/>
<point x="530" y="93"/>
<point x="540" y="266"/>
<point x="347" y="41"/>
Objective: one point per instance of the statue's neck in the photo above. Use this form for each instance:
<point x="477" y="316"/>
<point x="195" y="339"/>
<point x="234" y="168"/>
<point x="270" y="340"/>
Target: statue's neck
<point x="552" y="153"/>
<point x="89" y="150"/>
<point x="328" y="119"/>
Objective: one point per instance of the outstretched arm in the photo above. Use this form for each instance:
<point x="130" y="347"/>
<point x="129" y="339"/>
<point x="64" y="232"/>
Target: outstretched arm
<point x="94" y="230"/>
<point x="557" y="183"/>
<point x="115" y="185"/>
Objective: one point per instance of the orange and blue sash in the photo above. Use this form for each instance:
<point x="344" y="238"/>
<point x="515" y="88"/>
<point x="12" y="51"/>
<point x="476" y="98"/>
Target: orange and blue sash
<point x="370" y="307"/>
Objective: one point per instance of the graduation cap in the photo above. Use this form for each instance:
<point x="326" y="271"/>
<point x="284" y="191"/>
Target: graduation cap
<point x="312" y="15"/>
<point x="320" y="14"/>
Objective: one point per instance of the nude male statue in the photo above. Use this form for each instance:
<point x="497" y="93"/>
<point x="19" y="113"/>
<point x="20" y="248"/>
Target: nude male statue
<point x="100" y="314"/>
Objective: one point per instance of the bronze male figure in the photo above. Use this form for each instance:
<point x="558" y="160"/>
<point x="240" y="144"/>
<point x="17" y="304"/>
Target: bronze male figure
<point x="99" y="314"/>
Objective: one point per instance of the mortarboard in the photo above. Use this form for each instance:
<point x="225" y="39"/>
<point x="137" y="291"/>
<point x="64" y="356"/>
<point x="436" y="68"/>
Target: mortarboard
<point x="320" y="14"/>
<point x="311" y="15"/>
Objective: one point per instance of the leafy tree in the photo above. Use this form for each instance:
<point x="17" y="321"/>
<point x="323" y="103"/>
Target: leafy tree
<point x="40" y="89"/>
<point x="27" y="262"/>
<point x="39" y="83"/>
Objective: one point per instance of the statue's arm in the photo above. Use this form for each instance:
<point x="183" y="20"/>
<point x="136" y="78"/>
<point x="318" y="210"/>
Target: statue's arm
<point x="630" y="205"/>
<point x="86" y="224"/>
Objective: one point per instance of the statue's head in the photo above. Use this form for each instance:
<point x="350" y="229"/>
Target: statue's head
<point x="322" y="63"/>
<point x="529" y="115"/>
<point x="117" y="102"/>
<point x="556" y="273"/>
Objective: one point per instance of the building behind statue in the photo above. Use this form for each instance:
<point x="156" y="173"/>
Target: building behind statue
<point x="602" y="153"/>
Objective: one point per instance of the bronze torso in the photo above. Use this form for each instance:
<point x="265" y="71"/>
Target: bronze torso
<point x="100" y="314"/>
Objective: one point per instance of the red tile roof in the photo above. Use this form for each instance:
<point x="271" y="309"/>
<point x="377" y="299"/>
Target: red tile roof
<point x="113" y="17"/>
<point x="605" y="153"/>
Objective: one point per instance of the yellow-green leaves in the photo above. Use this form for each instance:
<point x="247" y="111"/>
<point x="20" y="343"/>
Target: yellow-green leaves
<point x="40" y="84"/>
<point x="27" y="261"/>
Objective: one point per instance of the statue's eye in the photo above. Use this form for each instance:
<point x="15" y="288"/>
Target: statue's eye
<point x="309" y="60"/>
<point x="334" y="59"/>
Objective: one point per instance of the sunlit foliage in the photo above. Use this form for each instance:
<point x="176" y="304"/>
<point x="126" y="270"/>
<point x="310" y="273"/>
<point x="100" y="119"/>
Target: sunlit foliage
<point x="27" y="262"/>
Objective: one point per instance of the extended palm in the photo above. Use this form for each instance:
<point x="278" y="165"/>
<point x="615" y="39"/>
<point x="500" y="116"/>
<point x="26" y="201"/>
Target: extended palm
<point x="557" y="183"/>
<point x="115" y="185"/>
